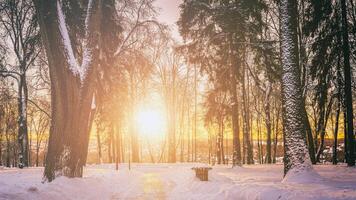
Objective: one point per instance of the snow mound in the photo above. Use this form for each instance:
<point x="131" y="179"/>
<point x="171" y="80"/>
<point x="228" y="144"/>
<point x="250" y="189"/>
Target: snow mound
<point x="304" y="175"/>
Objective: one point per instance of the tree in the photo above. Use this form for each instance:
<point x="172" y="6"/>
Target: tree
<point x="219" y="36"/>
<point x="216" y="114"/>
<point x="348" y="86"/>
<point x="68" y="38"/>
<point x="19" y="22"/>
<point x="296" y="157"/>
<point x="325" y="28"/>
<point x="8" y="126"/>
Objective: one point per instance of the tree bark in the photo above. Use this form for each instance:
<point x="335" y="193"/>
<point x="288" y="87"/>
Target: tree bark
<point x="276" y="136"/>
<point x="348" y="86"/>
<point x="23" y="129"/>
<point x="336" y="132"/>
<point x="309" y="137"/>
<point x="71" y="94"/>
<point x="246" y="121"/>
<point x="268" y="123"/>
<point x="235" y="126"/>
<point x="323" y="131"/>
<point x="236" y="157"/>
<point x="296" y="155"/>
<point x="99" y="146"/>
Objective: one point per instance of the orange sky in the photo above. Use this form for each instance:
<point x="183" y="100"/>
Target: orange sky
<point x="169" y="13"/>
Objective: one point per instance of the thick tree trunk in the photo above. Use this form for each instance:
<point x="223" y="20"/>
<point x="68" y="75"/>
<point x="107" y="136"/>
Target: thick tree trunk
<point x="296" y="156"/>
<point x="348" y="87"/>
<point x="71" y="94"/>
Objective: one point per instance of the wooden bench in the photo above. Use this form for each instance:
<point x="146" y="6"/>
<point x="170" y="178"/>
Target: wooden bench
<point x="202" y="172"/>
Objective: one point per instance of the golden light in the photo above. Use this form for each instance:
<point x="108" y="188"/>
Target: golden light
<point x="150" y="123"/>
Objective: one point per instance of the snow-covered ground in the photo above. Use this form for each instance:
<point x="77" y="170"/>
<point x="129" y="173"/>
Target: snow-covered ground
<point x="167" y="181"/>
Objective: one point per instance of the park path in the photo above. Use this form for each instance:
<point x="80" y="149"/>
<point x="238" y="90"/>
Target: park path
<point x="152" y="186"/>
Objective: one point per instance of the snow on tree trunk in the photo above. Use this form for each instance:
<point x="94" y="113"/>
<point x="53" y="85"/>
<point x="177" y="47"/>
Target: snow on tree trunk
<point x="296" y="157"/>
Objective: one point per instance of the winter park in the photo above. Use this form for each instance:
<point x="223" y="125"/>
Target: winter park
<point x="177" y="99"/>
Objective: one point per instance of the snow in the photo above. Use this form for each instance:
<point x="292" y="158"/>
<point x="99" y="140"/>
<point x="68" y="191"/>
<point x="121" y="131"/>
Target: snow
<point x="177" y="181"/>
<point x="72" y="61"/>
<point x="74" y="67"/>
<point x="87" y="54"/>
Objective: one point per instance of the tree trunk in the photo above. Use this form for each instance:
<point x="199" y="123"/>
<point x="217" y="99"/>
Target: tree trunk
<point x="296" y="156"/>
<point x="133" y="130"/>
<point x="348" y="87"/>
<point x="172" y="123"/>
<point x="336" y="132"/>
<point x="259" y="145"/>
<point x="71" y="93"/>
<point x="99" y="146"/>
<point x="118" y="145"/>
<point x="109" y="147"/>
<point x="236" y="157"/>
<point x="346" y="152"/>
<point x="23" y="130"/>
<point x="309" y="137"/>
<point x="235" y="125"/>
<point x="323" y="131"/>
<point x="276" y="137"/>
<point x="268" y="123"/>
<point x="195" y="111"/>
<point x="37" y="156"/>
<point x="1" y="136"/>
<point x="8" y="151"/>
<point x="246" y="121"/>
<point x="188" y="135"/>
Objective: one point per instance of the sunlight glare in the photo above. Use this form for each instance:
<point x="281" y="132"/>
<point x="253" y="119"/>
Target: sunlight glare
<point x="150" y="123"/>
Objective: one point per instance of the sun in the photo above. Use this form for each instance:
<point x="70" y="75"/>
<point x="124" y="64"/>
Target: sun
<point x="150" y="122"/>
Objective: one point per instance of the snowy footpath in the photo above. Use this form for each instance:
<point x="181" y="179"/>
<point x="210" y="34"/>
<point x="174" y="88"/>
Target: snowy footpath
<point x="167" y="181"/>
